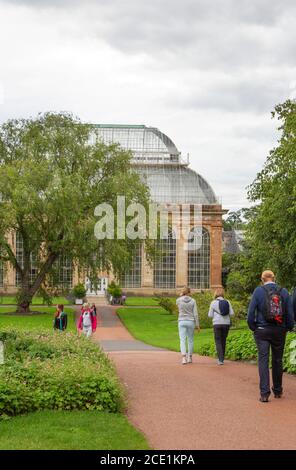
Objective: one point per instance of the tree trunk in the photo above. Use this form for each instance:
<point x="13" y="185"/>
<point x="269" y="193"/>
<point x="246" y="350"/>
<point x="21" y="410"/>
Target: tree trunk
<point x="27" y="292"/>
<point x="24" y="301"/>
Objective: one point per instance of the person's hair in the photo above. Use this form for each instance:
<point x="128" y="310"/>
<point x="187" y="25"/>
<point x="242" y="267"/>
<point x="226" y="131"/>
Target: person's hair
<point x="86" y="305"/>
<point x="268" y="275"/>
<point x="219" y="292"/>
<point x="186" y="290"/>
<point x="59" y="309"/>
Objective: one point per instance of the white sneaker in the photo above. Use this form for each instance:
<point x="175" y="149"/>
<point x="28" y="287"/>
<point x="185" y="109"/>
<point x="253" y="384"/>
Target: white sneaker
<point x="184" y="361"/>
<point x="189" y="359"/>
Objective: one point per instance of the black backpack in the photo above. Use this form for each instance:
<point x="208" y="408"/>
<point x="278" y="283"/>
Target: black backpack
<point x="273" y="312"/>
<point x="224" y="307"/>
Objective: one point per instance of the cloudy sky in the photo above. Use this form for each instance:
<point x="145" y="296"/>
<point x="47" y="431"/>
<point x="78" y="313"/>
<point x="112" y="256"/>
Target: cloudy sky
<point x="207" y="73"/>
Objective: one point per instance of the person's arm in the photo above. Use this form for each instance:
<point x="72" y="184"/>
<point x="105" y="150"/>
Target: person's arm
<point x="231" y="312"/>
<point x="252" y="311"/>
<point x="94" y="322"/>
<point x="80" y="323"/>
<point x="289" y="311"/>
<point x="195" y="313"/>
<point x="211" y="310"/>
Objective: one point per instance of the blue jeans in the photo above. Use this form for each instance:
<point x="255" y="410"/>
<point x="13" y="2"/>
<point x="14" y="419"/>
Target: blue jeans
<point x="186" y="330"/>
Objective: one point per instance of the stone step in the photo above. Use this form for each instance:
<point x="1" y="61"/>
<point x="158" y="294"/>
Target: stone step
<point x="97" y="300"/>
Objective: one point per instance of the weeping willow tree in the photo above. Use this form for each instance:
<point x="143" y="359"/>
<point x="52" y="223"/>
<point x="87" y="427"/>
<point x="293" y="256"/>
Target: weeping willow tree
<point x="53" y="174"/>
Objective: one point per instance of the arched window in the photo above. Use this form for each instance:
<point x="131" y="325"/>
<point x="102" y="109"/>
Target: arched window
<point x="199" y="259"/>
<point x="165" y="263"/>
<point x="132" y="277"/>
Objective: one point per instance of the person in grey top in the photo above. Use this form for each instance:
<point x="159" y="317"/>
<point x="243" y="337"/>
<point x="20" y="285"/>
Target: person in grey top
<point x="187" y="322"/>
<point x="221" y="323"/>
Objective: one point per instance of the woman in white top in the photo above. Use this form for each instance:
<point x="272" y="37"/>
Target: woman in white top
<point x="220" y="311"/>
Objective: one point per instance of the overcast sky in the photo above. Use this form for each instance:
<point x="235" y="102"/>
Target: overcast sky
<point x="206" y="73"/>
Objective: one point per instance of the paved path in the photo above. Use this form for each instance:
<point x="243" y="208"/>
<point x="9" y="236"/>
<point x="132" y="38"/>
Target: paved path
<point x="198" y="406"/>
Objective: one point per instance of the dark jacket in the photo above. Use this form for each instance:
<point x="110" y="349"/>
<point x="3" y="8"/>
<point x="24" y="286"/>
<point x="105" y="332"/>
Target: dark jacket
<point x="257" y="307"/>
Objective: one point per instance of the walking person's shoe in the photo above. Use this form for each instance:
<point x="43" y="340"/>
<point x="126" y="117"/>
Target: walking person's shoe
<point x="277" y="394"/>
<point x="264" y="398"/>
<point x="189" y="359"/>
<point x="220" y="363"/>
<point x="184" y="360"/>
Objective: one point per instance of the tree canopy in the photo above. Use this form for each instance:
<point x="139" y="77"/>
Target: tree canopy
<point x="271" y="231"/>
<point x="53" y="173"/>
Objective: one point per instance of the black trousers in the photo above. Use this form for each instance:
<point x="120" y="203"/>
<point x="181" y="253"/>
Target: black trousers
<point x="221" y="333"/>
<point x="274" y="338"/>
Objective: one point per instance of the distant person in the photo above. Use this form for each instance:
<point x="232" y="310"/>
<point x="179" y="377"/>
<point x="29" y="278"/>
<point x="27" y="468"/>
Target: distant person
<point x="87" y="321"/>
<point x="270" y="316"/>
<point x="60" y="318"/>
<point x="94" y="309"/>
<point x="123" y="299"/>
<point x="221" y="311"/>
<point x="187" y="322"/>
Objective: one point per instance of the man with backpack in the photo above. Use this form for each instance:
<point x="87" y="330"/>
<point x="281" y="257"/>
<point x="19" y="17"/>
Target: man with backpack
<point x="270" y="316"/>
<point x="220" y="311"/>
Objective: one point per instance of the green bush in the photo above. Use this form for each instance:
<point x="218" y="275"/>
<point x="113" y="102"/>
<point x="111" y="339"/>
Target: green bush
<point x="56" y="371"/>
<point x="79" y="291"/>
<point x="242" y="347"/>
<point x="169" y="305"/>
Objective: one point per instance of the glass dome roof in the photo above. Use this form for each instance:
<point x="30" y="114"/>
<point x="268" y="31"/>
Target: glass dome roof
<point x="159" y="162"/>
<point x="177" y="185"/>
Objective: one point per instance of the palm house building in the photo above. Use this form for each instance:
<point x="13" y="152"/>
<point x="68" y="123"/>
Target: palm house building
<point x="172" y="183"/>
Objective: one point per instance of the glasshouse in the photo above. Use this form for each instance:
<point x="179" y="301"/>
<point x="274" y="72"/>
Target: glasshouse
<point x="172" y="184"/>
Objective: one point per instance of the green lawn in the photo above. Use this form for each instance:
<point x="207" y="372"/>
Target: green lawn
<point x="11" y="300"/>
<point x="156" y="327"/>
<point x="75" y="430"/>
<point x="141" y="301"/>
<point x="44" y="321"/>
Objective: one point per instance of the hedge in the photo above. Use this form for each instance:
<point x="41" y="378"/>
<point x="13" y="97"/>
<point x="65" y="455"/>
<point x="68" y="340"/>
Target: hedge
<point x="55" y="371"/>
<point x="241" y="347"/>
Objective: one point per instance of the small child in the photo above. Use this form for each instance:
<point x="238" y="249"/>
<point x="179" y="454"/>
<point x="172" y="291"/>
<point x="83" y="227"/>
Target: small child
<point x="60" y="319"/>
<point x="87" y="321"/>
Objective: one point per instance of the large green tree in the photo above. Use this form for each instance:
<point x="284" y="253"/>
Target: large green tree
<point x="53" y="174"/>
<point x="271" y="232"/>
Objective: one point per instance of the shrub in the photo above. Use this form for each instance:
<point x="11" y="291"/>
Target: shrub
<point x="242" y="347"/>
<point x="169" y="305"/>
<point x="79" y="291"/>
<point x="114" y="290"/>
<point x="56" y="371"/>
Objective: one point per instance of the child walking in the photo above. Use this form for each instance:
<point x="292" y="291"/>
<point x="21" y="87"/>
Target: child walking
<point x="87" y="321"/>
<point x="60" y="319"/>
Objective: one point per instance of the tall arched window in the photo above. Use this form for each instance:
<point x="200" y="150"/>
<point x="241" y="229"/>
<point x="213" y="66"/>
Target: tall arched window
<point x="132" y="277"/>
<point x="165" y="263"/>
<point x="199" y="259"/>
